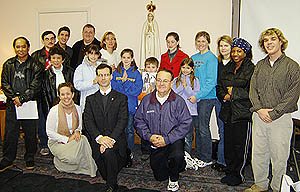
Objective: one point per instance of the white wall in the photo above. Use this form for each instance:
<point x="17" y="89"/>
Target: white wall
<point x="257" y="15"/>
<point x="125" y="18"/>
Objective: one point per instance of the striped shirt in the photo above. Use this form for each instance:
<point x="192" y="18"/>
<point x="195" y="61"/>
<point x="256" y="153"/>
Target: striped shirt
<point x="275" y="87"/>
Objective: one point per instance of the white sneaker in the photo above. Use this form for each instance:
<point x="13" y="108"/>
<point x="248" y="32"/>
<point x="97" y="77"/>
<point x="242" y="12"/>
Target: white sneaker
<point x="173" y="185"/>
<point x="190" y="162"/>
<point x="201" y="163"/>
<point x="44" y="151"/>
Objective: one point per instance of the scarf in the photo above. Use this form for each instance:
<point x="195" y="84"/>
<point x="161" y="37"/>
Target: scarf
<point x="62" y="119"/>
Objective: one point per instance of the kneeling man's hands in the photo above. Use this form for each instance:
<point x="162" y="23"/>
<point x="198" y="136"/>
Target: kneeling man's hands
<point x="157" y="140"/>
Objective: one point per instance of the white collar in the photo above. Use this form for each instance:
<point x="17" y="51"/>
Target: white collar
<point x="106" y="92"/>
<point x="57" y="70"/>
<point x="162" y="100"/>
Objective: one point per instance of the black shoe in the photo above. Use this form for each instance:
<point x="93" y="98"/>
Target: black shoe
<point x="145" y="157"/>
<point x="29" y="165"/>
<point x="234" y="181"/>
<point x="5" y="165"/>
<point x="129" y="163"/>
<point x="129" y="159"/>
<point x="215" y="166"/>
<point x="225" y="179"/>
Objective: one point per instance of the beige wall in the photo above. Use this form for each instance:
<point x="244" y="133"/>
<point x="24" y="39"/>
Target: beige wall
<point x="125" y="18"/>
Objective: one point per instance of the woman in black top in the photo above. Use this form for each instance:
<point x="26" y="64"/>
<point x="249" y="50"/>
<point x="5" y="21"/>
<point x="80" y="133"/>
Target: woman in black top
<point x="233" y="91"/>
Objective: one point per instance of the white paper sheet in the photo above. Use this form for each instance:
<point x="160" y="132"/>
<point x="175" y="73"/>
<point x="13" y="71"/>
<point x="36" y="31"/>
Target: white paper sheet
<point x="28" y="110"/>
<point x="287" y="182"/>
<point x="296" y="114"/>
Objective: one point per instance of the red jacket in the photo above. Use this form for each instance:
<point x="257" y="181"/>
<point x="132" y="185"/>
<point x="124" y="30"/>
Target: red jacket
<point x="173" y="66"/>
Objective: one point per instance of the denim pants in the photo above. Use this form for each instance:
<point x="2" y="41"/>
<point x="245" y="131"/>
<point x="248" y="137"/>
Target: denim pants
<point x="188" y="140"/>
<point x="42" y="128"/>
<point x="203" y="135"/>
<point x="130" y="132"/>
<point x="221" y="158"/>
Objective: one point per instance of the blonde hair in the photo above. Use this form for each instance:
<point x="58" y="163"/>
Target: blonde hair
<point x="225" y="38"/>
<point x="107" y="33"/>
<point x="272" y="31"/>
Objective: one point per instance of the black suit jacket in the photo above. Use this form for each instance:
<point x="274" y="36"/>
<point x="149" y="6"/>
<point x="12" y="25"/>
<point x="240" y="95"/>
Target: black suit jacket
<point x="111" y="122"/>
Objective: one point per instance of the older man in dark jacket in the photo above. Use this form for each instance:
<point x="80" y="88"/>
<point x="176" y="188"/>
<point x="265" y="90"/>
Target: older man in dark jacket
<point x="21" y="82"/>
<point x="164" y="119"/>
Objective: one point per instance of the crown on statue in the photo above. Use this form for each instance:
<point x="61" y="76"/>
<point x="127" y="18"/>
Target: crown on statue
<point x="151" y="7"/>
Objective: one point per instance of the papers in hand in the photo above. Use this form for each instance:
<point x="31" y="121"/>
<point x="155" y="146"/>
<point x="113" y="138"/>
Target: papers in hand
<point x="287" y="182"/>
<point x="28" y="110"/>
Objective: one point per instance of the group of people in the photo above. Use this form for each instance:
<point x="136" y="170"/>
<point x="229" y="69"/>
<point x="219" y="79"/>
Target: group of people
<point x="91" y="100"/>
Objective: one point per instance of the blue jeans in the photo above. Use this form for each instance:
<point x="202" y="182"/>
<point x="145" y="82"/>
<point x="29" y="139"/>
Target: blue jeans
<point x="188" y="140"/>
<point x="203" y="135"/>
<point x="221" y="158"/>
<point x="42" y="128"/>
<point x="130" y="132"/>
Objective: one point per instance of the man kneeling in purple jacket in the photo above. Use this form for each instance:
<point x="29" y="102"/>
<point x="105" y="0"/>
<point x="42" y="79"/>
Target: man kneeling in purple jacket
<point x="164" y="119"/>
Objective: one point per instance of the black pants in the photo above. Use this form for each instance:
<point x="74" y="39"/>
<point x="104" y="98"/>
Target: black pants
<point x="145" y="146"/>
<point x="110" y="164"/>
<point x="168" y="161"/>
<point x="12" y="128"/>
<point x="236" y="143"/>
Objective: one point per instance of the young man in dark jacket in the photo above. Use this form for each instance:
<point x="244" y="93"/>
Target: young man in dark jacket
<point x="57" y="73"/>
<point x="164" y="120"/>
<point x="21" y="82"/>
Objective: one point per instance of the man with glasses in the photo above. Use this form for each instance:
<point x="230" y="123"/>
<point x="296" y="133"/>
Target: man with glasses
<point x="41" y="57"/>
<point x="164" y="120"/>
<point x="105" y="119"/>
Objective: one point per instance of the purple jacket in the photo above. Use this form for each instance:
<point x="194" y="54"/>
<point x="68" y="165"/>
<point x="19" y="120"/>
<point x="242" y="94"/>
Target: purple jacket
<point x="172" y="120"/>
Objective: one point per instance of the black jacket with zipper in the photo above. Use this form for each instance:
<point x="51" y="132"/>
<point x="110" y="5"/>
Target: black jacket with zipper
<point x="33" y="78"/>
<point x="238" y="108"/>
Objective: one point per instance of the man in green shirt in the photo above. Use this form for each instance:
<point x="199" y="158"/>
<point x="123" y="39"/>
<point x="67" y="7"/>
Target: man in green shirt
<point x="274" y="92"/>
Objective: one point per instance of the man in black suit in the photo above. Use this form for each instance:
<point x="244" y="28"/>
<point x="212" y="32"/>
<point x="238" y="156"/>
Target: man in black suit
<point x="105" y="119"/>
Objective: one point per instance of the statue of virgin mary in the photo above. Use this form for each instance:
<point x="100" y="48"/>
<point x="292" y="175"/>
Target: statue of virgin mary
<point x="150" y="46"/>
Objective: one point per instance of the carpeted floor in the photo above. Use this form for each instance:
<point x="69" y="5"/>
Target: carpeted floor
<point x="137" y="178"/>
<point x="16" y="181"/>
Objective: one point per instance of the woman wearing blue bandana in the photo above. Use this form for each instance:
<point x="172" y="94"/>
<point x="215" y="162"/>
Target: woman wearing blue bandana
<point x="233" y="91"/>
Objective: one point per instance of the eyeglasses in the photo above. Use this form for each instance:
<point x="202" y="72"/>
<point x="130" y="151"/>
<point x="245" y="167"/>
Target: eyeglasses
<point x="165" y="81"/>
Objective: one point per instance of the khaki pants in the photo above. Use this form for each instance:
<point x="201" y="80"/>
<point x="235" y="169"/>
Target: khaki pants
<point x="271" y="141"/>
